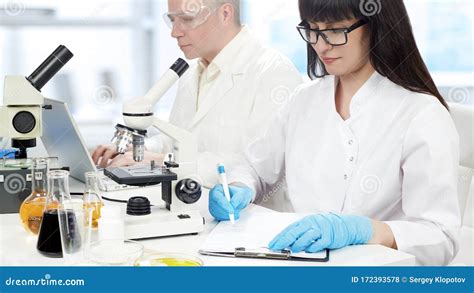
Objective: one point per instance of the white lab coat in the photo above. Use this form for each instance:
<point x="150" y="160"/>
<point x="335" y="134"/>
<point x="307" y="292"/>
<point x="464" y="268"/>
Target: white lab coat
<point x="238" y="106"/>
<point x="394" y="160"/>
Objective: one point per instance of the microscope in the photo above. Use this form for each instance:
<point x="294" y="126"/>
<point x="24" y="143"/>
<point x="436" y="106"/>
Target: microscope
<point x="21" y="121"/>
<point x="181" y="189"/>
<point x="20" y="116"/>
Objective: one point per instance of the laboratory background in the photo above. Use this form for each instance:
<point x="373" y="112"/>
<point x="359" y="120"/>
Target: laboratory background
<point x="122" y="47"/>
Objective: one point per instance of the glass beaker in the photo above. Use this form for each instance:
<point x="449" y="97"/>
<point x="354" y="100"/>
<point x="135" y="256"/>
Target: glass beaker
<point x="92" y="200"/>
<point x="32" y="208"/>
<point x="49" y="239"/>
<point x="63" y="222"/>
<point x="72" y="224"/>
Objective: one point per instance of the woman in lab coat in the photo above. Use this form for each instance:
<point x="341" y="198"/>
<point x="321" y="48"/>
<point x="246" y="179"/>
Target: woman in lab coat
<point x="369" y="148"/>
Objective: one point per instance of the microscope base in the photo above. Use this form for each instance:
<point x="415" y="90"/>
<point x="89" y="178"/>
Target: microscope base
<point x="163" y="223"/>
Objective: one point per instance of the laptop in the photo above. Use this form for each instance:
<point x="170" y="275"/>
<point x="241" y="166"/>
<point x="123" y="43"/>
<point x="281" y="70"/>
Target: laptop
<point x="62" y="139"/>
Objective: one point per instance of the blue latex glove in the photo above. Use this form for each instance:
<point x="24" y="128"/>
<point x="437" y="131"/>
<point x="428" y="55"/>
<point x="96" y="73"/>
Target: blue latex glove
<point x="316" y="233"/>
<point x="220" y="207"/>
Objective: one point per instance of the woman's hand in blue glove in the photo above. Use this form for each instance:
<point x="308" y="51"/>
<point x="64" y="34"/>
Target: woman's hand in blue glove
<point x="219" y="206"/>
<point x="316" y="233"/>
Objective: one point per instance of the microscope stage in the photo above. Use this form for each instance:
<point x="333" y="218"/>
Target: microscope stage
<point x="140" y="176"/>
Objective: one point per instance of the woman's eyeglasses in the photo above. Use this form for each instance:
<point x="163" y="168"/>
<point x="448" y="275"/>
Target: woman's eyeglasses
<point x="333" y="37"/>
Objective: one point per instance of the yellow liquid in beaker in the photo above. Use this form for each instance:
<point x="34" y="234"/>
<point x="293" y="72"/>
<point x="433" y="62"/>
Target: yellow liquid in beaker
<point x="31" y="213"/>
<point x="169" y="262"/>
<point x="175" y="262"/>
<point x="93" y="207"/>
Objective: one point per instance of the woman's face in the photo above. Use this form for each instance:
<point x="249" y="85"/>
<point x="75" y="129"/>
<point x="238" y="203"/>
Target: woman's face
<point x="345" y="59"/>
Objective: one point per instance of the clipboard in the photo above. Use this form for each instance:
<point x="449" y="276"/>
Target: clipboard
<point x="265" y="253"/>
<point x="250" y="235"/>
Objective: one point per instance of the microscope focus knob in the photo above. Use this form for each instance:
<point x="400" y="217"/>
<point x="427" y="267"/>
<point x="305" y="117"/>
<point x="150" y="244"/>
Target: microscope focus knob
<point x="188" y="191"/>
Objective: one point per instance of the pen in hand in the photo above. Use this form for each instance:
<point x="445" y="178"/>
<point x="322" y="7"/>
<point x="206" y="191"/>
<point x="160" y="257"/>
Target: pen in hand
<point x="225" y="186"/>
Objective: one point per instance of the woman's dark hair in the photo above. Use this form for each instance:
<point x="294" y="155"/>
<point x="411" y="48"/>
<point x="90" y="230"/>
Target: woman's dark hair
<point x="393" y="50"/>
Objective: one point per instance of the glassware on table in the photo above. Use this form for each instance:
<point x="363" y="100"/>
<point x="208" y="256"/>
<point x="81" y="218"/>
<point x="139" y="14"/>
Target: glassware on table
<point x="72" y="226"/>
<point x="49" y="238"/>
<point x="169" y="260"/>
<point x="32" y="208"/>
<point x="92" y="200"/>
<point x="114" y="252"/>
<point x="62" y="228"/>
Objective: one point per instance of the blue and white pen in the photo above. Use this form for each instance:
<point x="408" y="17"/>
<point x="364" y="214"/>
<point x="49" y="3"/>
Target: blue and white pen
<point x="225" y="186"/>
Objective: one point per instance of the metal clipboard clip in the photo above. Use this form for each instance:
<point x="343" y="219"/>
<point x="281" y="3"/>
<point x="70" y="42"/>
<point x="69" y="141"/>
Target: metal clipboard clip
<point x="265" y="253"/>
<point x="262" y="252"/>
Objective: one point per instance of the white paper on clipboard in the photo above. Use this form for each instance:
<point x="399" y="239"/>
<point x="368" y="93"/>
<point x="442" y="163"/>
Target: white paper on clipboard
<point x="252" y="231"/>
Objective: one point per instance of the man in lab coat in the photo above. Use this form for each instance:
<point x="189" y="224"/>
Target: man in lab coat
<point x="227" y="98"/>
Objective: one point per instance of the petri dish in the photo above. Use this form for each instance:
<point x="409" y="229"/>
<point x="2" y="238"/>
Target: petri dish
<point x="114" y="252"/>
<point x="169" y="260"/>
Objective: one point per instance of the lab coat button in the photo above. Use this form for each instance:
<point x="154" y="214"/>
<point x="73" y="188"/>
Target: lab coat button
<point x="351" y="142"/>
<point x="351" y="159"/>
<point x="346" y="177"/>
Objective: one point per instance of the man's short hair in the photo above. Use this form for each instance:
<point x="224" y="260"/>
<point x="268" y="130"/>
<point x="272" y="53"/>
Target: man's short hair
<point x="235" y="4"/>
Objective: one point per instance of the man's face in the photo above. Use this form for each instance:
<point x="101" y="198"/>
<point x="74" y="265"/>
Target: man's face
<point x="195" y="26"/>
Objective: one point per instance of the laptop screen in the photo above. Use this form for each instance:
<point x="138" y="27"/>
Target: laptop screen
<point x="62" y="139"/>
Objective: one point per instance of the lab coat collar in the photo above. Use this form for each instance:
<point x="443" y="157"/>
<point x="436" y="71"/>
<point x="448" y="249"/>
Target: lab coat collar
<point x="227" y="60"/>
<point x="365" y="93"/>
<point x="231" y="51"/>
<point x="222" y="85"/>
<point x="362" y="96"/>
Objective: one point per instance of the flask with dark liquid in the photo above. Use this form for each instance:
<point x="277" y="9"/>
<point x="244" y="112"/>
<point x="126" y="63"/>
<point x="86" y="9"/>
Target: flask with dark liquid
<point x="57" y="216"/>
<point x="49" y="239"/>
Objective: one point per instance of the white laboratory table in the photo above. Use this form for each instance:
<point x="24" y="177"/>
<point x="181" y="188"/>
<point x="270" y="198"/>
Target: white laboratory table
<point x="18" y="248"/>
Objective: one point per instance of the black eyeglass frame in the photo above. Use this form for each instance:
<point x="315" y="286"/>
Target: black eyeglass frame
<point x="301" y="27"/>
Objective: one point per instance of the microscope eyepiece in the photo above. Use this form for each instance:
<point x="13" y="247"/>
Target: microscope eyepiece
<point x="50" y="67"/>
<point x="180" y="67"/>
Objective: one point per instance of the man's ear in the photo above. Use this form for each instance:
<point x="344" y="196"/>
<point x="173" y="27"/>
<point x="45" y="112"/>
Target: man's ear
<point x="228" y="12"/>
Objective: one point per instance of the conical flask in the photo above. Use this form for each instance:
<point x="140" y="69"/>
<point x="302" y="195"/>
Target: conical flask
<point x="56" y="212"/>
<point x="92" y="200"/>
<point x="32" y="208"/>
